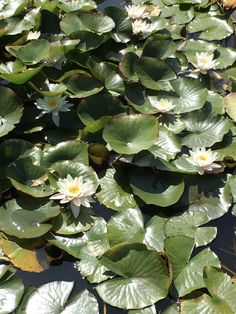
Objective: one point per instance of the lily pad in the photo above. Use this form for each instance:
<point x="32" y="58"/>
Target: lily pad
<point x="229" y="103"/>
<point x="152" y="72"/>
<point x="81" y="86"/>
<point x="222" y="290"/>
<point x="188" y="273"/>
<point x="156" y="189"/>
<point x="114" y="192"/>
<point x="29" y="178"/>
<point x="98" y="106"/>
<point x="34" y="52"/>
<point x="71" y="150"/>
<point x="138" y="270"/>
<point x="11" y="292"/>
<point x="205" y="128"/>
<point x="132" y="133"/>
<point x="210" y="27"/>
<point x="10" y="110"/>
<point x="52" y="297"/>
<point x="187" y="224"/>
<point x="95" y="22"/>
<point x="26" y="223"/>
<point x="24" y="255"/>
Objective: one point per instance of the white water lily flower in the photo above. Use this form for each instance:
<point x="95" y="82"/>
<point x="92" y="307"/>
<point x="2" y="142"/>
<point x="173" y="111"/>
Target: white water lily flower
<point x="205" y="62"/>
<point x="53" y="105"/>
<point x="162" y="105"/>
<point x="75" y="191"/>
<point x="136" y="11"/>
<point x="2" y="121"/>
<point x="203" y="159"/>
<point x="141" y="27"/>
<point x="33" y="35"/>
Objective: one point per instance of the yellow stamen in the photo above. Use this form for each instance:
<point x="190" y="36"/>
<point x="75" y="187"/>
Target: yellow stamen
<point x="202" y="157"/>
<point x="74" y="189"/>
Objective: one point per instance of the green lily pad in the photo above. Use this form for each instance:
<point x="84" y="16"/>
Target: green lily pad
<point x="16" y="72"/>
<point x="166" y="146"/>
<point x="177" y="13"/>
<point x="106" y="73"/>
<point x="138" y="270"/>
<point x="113" y="193"/>
<point x="33" y="52"/>
<point x="159" y="46"/>
<point x="210" y="27"/>
<point x="91" y="268"/>
<point x="156" y="189"/>
<point x="188" y="273"/>
<point x="131" y="134"/>
<point x="95" y="22"/>
<point x="128" y="227"/>
<point x="11" y="292"/>
<point x="213" y="206"/>
<point x="126" y="66"/>
<point x="66" y="223"/>
<point x="122" y="32"/>
<point x="29" y="178"/>
<point x="229" y="104"/>
<point x="187" y="224"/>
<point x="152" y="72"/>
<point x="98" y="106"/>
<point x="26" y="223"/>
<point x="38" y="303"/>
<point x="78" y="5"/>
<point x="81" y="86"/>
<point x="205" y="128"/>
<point x="71" y="150"/>
<point x="222" y="290"/>
<point x="10" y="110"/>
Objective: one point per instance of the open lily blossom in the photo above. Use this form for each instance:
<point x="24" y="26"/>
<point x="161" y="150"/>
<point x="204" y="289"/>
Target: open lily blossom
<point x="75" y="191"/>
<point x="136" y="11"/>
<point x="53" y="105"/>
<point x="205" y="62"/>
<point x="141" y="27"/>
<point x="203" y="159"/>
<point x="162" y="105"/>
<point x="33" y="35"/>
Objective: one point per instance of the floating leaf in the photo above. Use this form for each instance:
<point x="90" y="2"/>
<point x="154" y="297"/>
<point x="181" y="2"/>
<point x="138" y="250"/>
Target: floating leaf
<point x="10" y="110"/>
<point x="11" y="292"/>
<point x="131" y="134"/>
<point x="95" y="22"/>
<point x="112" y="193"/>
<point x="138" y="270"/>
<point x="187" y="224"/>
<point x="205" y="128"/>
<point x="57" y="293"/>
<point x="210" y="27"/>
<point x="147" y="310"/>
<point x="23" y="255"/>
<point x="71" y="150"/>
<point x="26" y="223"/>
<point x="98" y="106"/>
<point x="34" y="52"/>
<point x="188" y="273"/>
<point x="23" y="175"/>
<point x="81" y="86"/>
<point x="229" y="103"/>
<point x="156" y="189"/>
<point x="222" y="290"/>
<point x="152" y="72"/>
